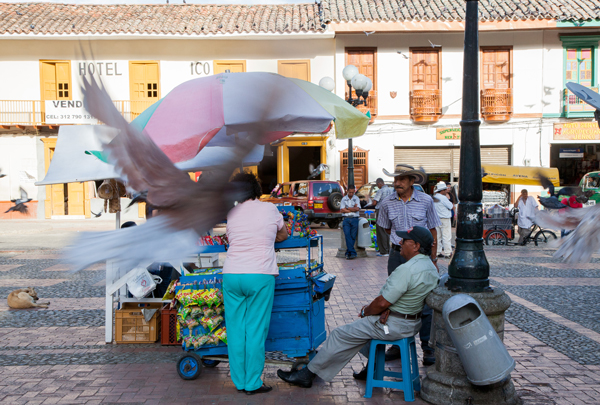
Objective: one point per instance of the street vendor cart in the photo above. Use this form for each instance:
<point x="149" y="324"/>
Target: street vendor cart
<point x="297" y="324"/>
<point x="499" y="222"/>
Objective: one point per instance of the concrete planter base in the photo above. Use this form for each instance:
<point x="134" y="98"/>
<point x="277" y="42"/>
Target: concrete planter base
<point x="446" y="381"/>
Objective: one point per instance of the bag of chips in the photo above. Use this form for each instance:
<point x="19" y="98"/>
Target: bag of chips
<point x="185" y="297"/>
<point x="207" y="311"/>
<point x="210" y="297"/>
<point x="196" y="311"/>
<point x="213" y="341"/>
<point x="221" y="333"/>
<point x="219" y="310"/>
<point x="191" y="323"/>
<point x="212" y="322"/>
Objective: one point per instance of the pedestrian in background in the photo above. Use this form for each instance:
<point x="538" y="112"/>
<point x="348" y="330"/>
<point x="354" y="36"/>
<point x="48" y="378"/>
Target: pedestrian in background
<point x="350" y="207"/>
<point x="527" y="208"/>
<point x="401" y="211"/>
<point x="443" y="207"/>
<point x="383" y="239"/>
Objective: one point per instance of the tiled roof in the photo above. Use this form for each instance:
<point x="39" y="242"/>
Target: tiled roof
<point x="192" y="19"/>
<point x="454" y="10"/>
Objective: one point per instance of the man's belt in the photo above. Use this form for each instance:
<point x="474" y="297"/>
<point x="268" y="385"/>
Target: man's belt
<point x="405" y="316"/>
<point x="396" y="247"/>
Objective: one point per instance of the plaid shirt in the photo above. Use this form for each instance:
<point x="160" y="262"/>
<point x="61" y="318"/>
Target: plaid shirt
<point x="381" y="194"/>
<point x="397" y="215"/>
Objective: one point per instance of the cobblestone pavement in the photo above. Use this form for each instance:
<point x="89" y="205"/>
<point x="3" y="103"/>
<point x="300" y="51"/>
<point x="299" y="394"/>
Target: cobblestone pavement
<point x="58" y="355"/>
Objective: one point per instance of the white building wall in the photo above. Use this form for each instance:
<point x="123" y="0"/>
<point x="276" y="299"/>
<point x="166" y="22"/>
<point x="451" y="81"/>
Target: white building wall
<point x="19" y="161"/>
<point x="537" y="89"/>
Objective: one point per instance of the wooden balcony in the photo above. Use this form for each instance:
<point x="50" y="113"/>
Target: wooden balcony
<point x="574" y="107"/>
<point x="425" y="105"/>
<point x="23" y="113"/>
<point x="496" y="105"/>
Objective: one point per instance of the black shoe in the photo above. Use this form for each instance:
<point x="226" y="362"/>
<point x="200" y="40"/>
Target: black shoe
<point x="428" y="357"/>
<point x="362" y="375"/>
<point x="392" y="353"/>
<point x="261" y="390"/>
<point x="302" y="378"/>
<point x="241" y="391"/>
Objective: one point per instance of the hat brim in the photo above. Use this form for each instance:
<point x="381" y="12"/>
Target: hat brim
<point x="404" y="235"/>
<point x="419" y="176"/>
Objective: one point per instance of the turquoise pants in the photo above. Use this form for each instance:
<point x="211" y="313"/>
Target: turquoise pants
<point x="248" y="303"/>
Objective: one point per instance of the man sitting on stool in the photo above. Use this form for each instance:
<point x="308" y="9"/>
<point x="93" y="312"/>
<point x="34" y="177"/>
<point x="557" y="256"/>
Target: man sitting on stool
<point x="395" y="314"/>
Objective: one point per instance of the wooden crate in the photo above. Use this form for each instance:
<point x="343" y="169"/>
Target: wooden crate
<point x="131" y="327"/>
<point x="168" y="325"/>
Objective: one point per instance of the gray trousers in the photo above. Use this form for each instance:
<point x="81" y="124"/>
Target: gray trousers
<point x="346" y="341"/>
<point x="383" y="239"/>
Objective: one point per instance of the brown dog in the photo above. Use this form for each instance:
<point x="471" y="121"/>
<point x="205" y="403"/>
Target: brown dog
<point x="25" y="298"/>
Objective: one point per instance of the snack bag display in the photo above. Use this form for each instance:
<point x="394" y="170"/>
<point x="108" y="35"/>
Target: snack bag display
<point x="207" y="311"/>
<point x="219" y="310"/>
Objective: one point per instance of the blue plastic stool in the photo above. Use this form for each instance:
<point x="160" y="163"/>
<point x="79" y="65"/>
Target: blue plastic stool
<point x="410" y="368"/>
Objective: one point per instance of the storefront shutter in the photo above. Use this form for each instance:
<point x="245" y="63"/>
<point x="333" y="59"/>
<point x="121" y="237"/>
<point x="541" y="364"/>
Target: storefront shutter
<point x="433" y="160"/>
<point x="447" y="160"/>
<point x="491" y="155"/>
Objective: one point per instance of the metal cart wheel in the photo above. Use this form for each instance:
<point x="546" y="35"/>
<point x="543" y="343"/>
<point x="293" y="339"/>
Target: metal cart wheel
<point x="543" y="237"/>
<point x="210" y="363"/>
<point x="496" y="238"/>
<point x="299" y="365"/>
<point x="189" y="366"/>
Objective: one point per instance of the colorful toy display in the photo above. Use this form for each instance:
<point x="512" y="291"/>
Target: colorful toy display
<point x="217" y="240"/>
<point x="298" y="225"/>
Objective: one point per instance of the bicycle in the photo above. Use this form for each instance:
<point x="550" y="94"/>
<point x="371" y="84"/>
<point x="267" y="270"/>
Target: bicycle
<point x="499" y="237"/>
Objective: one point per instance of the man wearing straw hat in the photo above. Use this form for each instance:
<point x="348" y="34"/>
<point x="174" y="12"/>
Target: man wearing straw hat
<point x="399" y="212"/>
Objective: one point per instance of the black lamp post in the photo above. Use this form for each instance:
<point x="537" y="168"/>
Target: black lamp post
<point x="469" y="269"/>
<point x="362" y="85"/>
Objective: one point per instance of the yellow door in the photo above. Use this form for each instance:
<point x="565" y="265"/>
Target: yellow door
<point x="75" y="200"/>
<point x="144" y="86"/>
<point x="233" y="66"/>
<point x="57" y="195"/>
<point x="296" y="69"/>
<point x="48" y="81"/>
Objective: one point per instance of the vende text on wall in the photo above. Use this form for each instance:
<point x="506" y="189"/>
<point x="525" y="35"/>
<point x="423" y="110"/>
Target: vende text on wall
<point x="577" y="131"/>
<point x="447" y="133"/>
<point x="67" y="112"/>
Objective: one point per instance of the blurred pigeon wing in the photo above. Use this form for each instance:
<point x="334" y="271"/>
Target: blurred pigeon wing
<point x="546" y="183"/>
<point x="141" y="163"/>
<point x="584" y="241"/>
<point x="551" y="203"/>
<point x="24" y="196"/>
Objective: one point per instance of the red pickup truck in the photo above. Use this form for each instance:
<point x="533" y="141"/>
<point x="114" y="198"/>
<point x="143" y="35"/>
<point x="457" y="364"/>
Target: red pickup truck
<point x="319" y="199"/>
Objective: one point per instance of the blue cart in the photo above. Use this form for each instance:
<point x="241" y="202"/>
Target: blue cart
<point x="298" y="319"/>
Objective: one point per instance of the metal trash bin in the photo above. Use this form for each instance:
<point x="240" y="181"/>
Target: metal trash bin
<point x="364" y="233"/>
<point x="482" y="354"/>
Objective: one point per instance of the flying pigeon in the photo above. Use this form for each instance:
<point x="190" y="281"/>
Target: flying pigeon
<point x="314" y="172"/>
<point x="584" y="241"/>
<point x="20" y="203"/>
<point x="187" y="209"/>
<point x="139" y="198"/>
<point x="2" y="174"/>
<point x="551" y="202"/>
